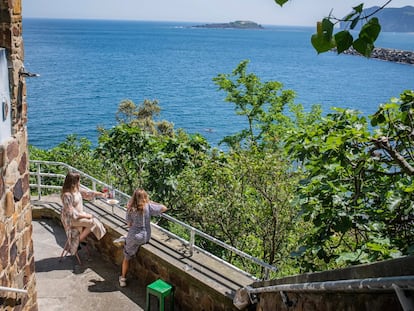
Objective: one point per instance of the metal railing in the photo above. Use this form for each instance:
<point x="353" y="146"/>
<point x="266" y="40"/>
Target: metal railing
<point x="13" y="290"/>
<point x="42" y="178"/>
<point x="397" y="284"/>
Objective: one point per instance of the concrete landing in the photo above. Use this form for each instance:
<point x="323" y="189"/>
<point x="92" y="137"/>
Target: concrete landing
<point x="197" y="275"/>
<point x="64" y="285"/>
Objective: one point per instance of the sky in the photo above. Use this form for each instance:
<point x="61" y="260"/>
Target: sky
<point x="265" y="12"/>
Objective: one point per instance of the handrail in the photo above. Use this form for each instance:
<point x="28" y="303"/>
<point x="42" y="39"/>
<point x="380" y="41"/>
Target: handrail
<point x="394" y="283"/>
<point x="124" y="198"/>
<point x="352" y="285"/>
<point x="13" y="290"/>
<point x="39" y="176"/>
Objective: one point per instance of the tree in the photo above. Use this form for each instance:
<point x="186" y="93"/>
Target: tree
<point x="143" y="152"/>
<point x="358" y="190"/>
<point x="253" y="189"/>
<point x="125" y="151"/>
<point x="127" y="148"/>
<point x="325" y="40"/>
<point x="261" y="103"/>
<point x="356" y="187"/>
<point x="243" y="198"/>
<point x="143" y="116"/>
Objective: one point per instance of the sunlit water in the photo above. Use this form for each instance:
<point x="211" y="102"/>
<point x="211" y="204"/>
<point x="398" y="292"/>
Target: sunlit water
<point x="88" y="67"/>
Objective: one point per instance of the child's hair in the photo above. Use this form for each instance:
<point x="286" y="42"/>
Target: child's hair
<point x="138" y="201"/>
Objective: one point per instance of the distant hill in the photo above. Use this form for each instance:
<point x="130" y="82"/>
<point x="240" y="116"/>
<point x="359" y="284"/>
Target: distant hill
<point x="391" y="19"/>
<point x="236" y="24"/>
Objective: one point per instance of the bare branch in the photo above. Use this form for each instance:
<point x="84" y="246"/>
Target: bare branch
<point x="379" y="9"/>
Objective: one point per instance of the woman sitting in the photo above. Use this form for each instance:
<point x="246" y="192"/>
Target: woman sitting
<point x="73" y="216"/>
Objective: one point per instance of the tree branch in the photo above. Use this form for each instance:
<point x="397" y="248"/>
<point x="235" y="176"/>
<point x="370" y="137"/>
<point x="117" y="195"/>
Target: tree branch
<point x="379" y="9"/>
<point x="383" y="143"/>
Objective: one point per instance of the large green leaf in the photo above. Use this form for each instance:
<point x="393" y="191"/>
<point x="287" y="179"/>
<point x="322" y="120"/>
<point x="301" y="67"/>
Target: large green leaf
<point x="319" y="44"/>
<point x="343" y="40"/>
<point x="370" y="31"/>
<point x="323" y="40"/>
<point x="327" y="29"/>
<point x="367" y="36"/>
<point x="363" y="47"/>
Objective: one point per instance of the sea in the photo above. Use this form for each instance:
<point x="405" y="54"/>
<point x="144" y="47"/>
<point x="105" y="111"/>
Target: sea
<point x="87" y="68"/>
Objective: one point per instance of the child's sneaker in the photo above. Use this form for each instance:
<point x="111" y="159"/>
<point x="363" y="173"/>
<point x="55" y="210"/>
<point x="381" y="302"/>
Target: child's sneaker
<point x="122" y="281"/>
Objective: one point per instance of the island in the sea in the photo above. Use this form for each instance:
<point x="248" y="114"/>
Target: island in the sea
<point x="236" y="24"/>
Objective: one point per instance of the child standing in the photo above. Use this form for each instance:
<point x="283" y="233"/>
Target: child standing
<point x="138" y="217"/>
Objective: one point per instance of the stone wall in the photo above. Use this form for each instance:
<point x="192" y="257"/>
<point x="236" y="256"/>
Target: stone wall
<point x="191" y="294"/>
<point x="329" y="301"/>
<point x="16" y="246"/>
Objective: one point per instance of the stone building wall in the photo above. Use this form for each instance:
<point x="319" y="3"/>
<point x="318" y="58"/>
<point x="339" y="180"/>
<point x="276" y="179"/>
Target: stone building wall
<point x="17" y="265"/>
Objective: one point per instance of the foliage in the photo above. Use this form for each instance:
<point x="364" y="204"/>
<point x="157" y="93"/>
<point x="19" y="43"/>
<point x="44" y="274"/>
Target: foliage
<point x="74" y="151"/>
<point x="143" y="116"/>
<point x="124" y="150"/>
<point x="330" y="190"/>
<point x="325" y="40"/>
<point x="244" y="199"/>
<point x="358" y="190"/>
<point x="261" y="104"/>
<point x="393" y="143"/>
<point x="140" y="153"/>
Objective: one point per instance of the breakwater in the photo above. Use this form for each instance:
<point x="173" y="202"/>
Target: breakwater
<point x="391" y="55"/>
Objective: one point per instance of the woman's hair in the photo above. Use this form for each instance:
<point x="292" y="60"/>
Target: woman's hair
<point x="138" y="201"/>
<point x="71" y="183"/>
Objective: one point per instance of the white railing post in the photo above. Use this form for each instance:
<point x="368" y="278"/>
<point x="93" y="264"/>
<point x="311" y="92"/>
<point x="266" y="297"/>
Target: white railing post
<point x="266" y="273"/>
<point x="39" y="182"/>
<point x="192" y="241"/>
<point x="94" y="188"/>
<point x="94" y="185"/>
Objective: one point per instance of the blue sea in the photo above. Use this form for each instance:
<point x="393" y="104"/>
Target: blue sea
<point x="87" y="67"/>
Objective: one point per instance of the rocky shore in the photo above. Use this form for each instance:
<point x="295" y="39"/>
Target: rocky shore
<point x="391" y="55"/>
